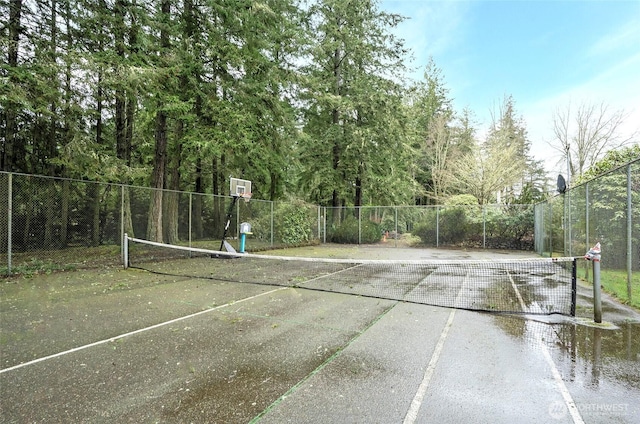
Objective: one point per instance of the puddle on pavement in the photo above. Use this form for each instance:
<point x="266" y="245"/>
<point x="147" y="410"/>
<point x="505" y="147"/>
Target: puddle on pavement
<point x="589" y="353"/>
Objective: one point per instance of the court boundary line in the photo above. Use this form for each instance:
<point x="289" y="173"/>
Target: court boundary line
<point x="416" y="403"/>
<point x="569" y="403"/>
<point x="138" y="331"/>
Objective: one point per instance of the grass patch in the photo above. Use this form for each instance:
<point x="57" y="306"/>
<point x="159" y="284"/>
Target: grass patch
<point x="37" y="266"/>
<point x="614" y="282"/>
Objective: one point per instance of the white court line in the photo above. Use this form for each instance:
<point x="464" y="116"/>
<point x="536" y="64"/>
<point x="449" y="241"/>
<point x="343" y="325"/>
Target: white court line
<point x="562" y="388"/>
<point x="141" y="330"/>
<point x="416" y="403"/>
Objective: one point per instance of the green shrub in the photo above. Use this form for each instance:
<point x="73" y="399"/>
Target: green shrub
<point x="293" y="222"/>
<point x="452" y="227"/>
<point x="347" y="232"/>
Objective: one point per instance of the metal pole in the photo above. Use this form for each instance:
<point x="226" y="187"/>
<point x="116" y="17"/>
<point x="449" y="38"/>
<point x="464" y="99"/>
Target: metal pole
<point x="395" y="208"/>
<point x="574" y="287"/>
<point x="359" y="209"/>
<point x="272" y="223"/>
<point x="586" y="212"/>
<point x="568" y="194"/>
<point x="237" y="220"/>
<point x="9" y="221"/>
<point x="629" y="240"/>
<point x="125" y="251"/>
<point x="484" y="226"/>
<point x="324" y="230"/>
<point x="122" y="219"/>
<point x="597" y="295"/>
<point x="594" y="255"/>
<point x="437" y="226"/>
<point x="190" y="217"/>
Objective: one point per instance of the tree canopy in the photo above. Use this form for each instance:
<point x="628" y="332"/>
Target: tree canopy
<point x="306" y="99"/>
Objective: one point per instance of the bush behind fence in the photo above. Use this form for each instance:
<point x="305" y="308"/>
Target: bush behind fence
<point x="55" y="223"/>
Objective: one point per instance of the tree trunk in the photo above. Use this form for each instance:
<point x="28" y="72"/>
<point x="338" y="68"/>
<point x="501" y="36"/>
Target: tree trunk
<point x="15" y="29"/>
<point x="172" y="197"/>
<point x="218" y="202"/>
<point x="197" y="202"/>
<point x="154" y="227"/>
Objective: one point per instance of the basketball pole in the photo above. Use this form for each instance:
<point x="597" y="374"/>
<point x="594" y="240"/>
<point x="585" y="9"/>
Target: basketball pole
<point x="229" y="216"/>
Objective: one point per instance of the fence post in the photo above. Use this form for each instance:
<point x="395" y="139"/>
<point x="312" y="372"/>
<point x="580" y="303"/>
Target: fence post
<point x="125" y="251"/>
<point x="484" y="226"/>
<point x="122" y="233"/>
<point x="629" y="234"/>
<point x="437" y="226"/>
<point x="395" y="208"/>
<point x="593" y="255"/>
<point x="272" y="235"/>
<point x="9" y="221"/>
<point x="359" y="211"/>
<point x="324" y="230"/>
<point x="190" y="218"/>
<point x="587" y="242"/>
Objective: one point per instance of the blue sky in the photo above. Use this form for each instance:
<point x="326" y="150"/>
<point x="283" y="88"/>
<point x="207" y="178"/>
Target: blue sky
<point x="546" y="54"/>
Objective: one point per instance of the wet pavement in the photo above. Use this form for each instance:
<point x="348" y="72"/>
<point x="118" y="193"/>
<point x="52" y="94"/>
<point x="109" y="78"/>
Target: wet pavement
<point x="145" y="349"/>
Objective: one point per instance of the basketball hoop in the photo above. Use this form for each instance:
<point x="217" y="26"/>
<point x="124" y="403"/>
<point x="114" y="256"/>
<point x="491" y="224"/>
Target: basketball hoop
<point x="246" y="196"/>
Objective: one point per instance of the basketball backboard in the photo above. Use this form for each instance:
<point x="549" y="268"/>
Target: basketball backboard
<point x="239" y="187"/>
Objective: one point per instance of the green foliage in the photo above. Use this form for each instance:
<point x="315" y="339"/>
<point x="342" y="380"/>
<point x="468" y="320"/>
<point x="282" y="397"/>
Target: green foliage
<point x="427" y="228"/>
<point x="293" y="223"/>
<point x="613" y="159"/>
<point x="506" y="227"/>
<point x="350" y="232"/>
<point x="461" y="199"/>
<point x="451" y="229"/>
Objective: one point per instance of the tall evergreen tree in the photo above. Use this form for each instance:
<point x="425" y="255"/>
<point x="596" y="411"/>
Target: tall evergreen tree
<point x="348" y="98"/>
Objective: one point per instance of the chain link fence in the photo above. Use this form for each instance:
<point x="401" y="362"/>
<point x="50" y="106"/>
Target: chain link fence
<point x="490" y="226"/>
<point x="604" y="210"/>
<point x="51" y="224"/>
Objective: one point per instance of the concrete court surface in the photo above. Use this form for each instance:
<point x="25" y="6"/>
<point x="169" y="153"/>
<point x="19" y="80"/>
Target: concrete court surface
<point x="171" y="350"/>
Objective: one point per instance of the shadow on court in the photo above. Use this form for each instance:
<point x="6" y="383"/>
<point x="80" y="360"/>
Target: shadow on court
<point x="130" y="346"/>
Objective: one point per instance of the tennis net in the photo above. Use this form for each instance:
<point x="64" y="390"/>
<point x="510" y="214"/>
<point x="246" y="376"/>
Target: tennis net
<point x="516" y="286"/>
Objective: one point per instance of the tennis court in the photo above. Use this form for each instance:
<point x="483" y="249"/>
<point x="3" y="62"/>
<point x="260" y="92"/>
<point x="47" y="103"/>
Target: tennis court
<point x="131" y="345"/>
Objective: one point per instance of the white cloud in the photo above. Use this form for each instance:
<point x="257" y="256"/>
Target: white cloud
<point x="625" y="37"/>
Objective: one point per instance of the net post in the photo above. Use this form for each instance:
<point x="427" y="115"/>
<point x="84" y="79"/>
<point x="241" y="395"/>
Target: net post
<point x="593" y="255"/>
<point x="125" y="251"/>
<point x="597" y="295"/>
